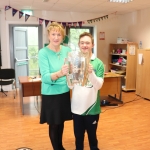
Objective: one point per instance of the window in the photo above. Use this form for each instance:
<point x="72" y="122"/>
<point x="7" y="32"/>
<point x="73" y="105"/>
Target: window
<point x="73" y="34"/>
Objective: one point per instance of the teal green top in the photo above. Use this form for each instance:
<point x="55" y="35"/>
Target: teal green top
<point x="50" y="62"/>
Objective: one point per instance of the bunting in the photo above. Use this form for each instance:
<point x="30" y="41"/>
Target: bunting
<point x="7" y="8"/>
<point x="14" y="11"/>
<point x="97" y="19"/>
<point x="69" y="24"/>
<point x="64" y="24"/>
<point x="80" y="24"/>
<point x="20" y="14"/>
<point x="74" y="24"/>
<point x="40" y="21"/>
<point x="46" y="23"/>
<point x="26" y="17"/>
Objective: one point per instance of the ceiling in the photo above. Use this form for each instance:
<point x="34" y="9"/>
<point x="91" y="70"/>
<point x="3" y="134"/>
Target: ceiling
<point x="85" y="6"/>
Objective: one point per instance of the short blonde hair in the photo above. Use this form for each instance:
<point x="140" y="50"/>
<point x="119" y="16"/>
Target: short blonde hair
<point x="57" y="27"/>
<point x="86" y="34"/>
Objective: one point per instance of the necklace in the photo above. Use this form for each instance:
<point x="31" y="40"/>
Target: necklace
<point x="58" y="53"/>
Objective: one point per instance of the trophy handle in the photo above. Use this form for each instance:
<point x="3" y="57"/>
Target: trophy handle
<point x="68" y="75"/>
<point x="86" y="74"/>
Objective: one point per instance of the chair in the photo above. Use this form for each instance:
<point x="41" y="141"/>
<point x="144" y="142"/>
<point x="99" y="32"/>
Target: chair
<point x="7" y="77"/>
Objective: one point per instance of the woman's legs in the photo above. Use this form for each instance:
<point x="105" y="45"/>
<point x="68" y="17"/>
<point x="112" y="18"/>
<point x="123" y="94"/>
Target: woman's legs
<point x="55" y="134"/>
<point x="60" y="135"/>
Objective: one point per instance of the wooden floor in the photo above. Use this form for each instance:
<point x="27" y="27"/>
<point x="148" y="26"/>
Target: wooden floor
<point x="120" y="128"/>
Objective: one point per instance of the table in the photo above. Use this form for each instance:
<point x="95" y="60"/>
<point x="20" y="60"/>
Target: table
<point x="112" y="86"/>
<point x="28" y="87"/>
<point x="32" y="87"/>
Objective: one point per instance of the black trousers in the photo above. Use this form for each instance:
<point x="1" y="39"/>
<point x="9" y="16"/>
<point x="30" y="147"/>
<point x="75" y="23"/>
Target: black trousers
<point x="87" y="123"/>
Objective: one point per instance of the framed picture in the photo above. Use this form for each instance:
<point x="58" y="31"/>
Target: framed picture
<point x="102" y="35"/>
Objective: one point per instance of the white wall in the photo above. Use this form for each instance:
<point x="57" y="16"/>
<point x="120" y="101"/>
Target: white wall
<point x="138" y="24"/>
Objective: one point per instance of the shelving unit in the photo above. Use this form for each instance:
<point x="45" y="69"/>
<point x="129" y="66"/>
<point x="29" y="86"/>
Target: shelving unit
<point x="122" y="60"/>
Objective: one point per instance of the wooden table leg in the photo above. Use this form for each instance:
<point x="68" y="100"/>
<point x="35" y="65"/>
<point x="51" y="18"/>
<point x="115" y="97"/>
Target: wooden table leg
<point x="21" y="98"/>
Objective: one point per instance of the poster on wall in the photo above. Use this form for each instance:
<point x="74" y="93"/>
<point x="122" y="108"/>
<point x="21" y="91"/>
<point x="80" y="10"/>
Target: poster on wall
<point x="102" y="35"/>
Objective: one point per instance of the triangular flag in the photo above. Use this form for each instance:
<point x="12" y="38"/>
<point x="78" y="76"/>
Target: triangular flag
<point x="26" y="17"/>
<point x="20" y="14"/>
<point x="14" y="11"/>
<point x="97" y="19"/>
<point x="40" y="21"/>
<point x="7" y="7"/>
<point x="88" y="21"/>
<point x="69" y="24"/>
<point x="64" y="24"/>
<point x="74" y="24"/>
<point x="80" y="23"/>
<point x="46" y="23"/>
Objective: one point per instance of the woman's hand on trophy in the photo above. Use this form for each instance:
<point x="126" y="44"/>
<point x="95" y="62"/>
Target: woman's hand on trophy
<point x="64" y="69"/>
<point x="90" y="68"/>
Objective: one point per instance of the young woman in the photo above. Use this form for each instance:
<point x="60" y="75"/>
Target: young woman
<point x="85" y="102"/>
<point x="55" y="93"/>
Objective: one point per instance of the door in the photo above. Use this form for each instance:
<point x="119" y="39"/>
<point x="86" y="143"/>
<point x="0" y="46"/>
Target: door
<point x="146" y="71"/>
<point x="20" y="52"/>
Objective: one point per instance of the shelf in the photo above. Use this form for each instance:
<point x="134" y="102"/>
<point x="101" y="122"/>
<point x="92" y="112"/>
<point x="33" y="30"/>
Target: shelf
<point x="117" y="65"/>
<point x="118" y="43"/>
<point x="126" y="66"/>
<point x="120" y="72"/>
<point x="118" y="54"/>
<point x="124" y="89"/>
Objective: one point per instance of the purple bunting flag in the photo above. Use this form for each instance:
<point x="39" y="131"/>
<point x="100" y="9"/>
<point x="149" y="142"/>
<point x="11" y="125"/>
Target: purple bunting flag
<point x="20" y="14"/>
<point x="74" y="24"/>
<point x="14" y="11"/>
<point x="46" y="23"/>
<point x="40" y="21"/>
<point x="69" y="24"/>
<point x="64" y="24"/>
<point x="26" y="17"/>
<point x="7" y="7"/>
<point x="80" y="24"/>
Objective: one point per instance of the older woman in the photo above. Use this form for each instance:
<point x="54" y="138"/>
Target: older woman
<point x="55" y="92"/>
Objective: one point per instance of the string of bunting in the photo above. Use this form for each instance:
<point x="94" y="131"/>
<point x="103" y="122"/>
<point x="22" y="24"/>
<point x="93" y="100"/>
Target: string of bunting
<point x="69" y="24"/>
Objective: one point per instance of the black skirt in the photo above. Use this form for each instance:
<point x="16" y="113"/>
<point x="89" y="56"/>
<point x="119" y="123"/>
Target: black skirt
<point x="55" y="109"/>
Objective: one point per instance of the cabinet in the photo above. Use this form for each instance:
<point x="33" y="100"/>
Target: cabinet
<point x="122" y="60"/>
<point x="143" y="72"/>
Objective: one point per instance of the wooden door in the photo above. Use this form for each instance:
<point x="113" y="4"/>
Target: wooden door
<point x="146" y="73"/>
<point x="139" y="74"/>
<point x="131" y="66"/>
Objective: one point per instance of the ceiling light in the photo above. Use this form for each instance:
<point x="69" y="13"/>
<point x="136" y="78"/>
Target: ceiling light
<point x="45" y="0"/>
<point x="121" y="1"/>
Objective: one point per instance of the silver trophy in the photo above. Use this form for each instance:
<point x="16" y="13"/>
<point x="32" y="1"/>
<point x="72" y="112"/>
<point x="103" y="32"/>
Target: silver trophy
<point x="78" y="68"/>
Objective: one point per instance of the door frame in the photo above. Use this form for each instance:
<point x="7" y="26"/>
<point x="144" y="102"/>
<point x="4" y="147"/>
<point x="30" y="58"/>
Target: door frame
<point x="11" y="45"/>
